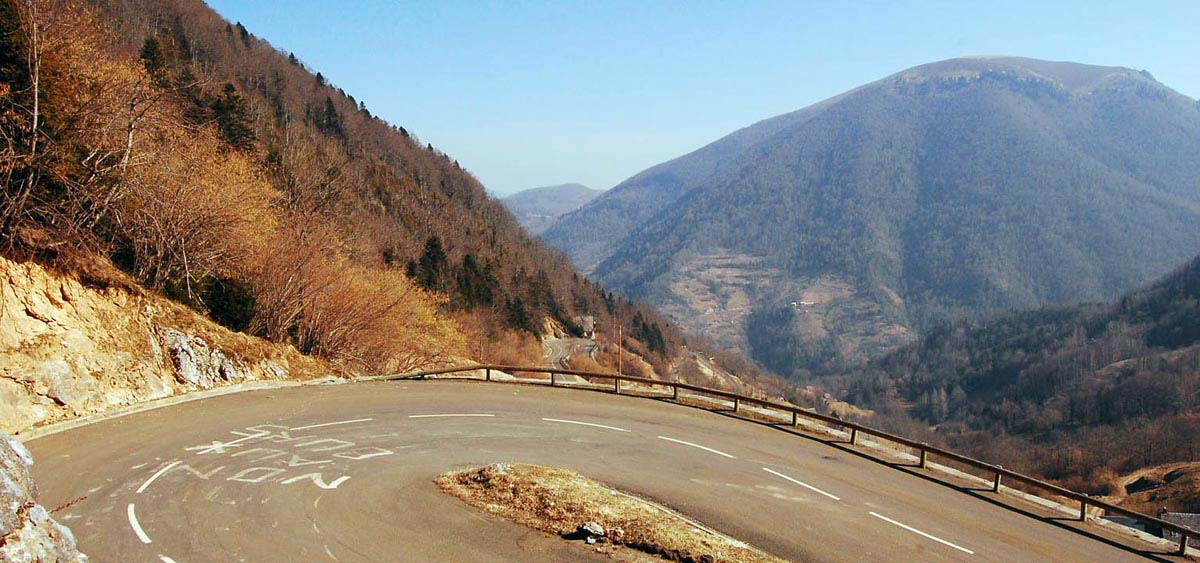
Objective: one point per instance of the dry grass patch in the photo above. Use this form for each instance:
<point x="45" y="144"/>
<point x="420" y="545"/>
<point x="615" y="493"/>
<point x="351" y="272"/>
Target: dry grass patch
<point x="560" y="502"/>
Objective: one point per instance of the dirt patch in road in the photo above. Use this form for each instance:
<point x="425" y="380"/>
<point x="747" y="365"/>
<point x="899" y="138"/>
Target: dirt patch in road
<point x="562" y="502"/>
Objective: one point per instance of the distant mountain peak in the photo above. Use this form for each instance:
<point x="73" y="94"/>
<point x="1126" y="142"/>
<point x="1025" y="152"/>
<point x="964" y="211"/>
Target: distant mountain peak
<point x="555" y="189"/>
<point x="538" y="208"/>
<point x="1073" y="77"/>
<point x="956" y="188"/>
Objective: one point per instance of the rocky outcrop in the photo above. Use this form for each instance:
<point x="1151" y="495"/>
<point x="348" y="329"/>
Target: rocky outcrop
<point x="27" y="531"/>
<point x="198" y="364"/>
<point x="69" y="350"/>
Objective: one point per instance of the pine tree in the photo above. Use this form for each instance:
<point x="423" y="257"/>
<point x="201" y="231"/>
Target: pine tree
<point x="187" y="85"/>
<point x="431" y="268"/>
<point x="153" y="59"/>
<point x="233" y="119"/>
<point x="183" y="45"/>
<point x="328" y="121"/>
<point x="477" y="284"/>
<point x="517" y="315"/>
<point x="244" y="33"/>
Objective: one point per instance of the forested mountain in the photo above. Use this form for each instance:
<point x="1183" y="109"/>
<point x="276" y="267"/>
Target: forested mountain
<point x="825" y="237"/>
<point x="1079" y="391"/>
<point x="537" y="208"/>
<point x="210" y="166"/>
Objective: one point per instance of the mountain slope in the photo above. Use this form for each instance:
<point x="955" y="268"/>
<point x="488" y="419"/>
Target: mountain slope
<point x="216" y="170"/>
<point x="830" y="235"/>
<point x="589" y="234"/>
<point x="537" y="208"/>
<point x="1116" y="386"/>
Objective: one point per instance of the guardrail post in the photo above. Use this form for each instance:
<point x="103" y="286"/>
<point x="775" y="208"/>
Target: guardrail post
<point x="1183" y="541"/>
<point x="737" y="404"/>
<point x="487" y="374"/>
<point x="1082" y="511"/>
<point x="996" y="483"/>
<point x="674" y="392"/>
<point x="853" y="436"/>
<point x="924" y="458"/>
<point x="795" y="418"/>
<point x="552" y="379"/>
<point x="617" y="385"/>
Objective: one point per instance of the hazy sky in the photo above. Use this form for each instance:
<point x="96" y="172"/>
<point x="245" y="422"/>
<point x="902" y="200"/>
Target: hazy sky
<point x="527" y="94"/>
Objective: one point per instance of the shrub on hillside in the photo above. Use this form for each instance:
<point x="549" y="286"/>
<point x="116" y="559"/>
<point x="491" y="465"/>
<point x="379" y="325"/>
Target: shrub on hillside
<point x="196" y="211"/>
<point x="372" y="319"/>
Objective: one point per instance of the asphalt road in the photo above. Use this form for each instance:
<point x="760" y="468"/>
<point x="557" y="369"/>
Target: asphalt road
<point x="344" y="473"/>
<point x="558" y="351"/>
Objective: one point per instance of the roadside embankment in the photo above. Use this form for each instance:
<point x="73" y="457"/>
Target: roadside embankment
<point x="69" y="350"/>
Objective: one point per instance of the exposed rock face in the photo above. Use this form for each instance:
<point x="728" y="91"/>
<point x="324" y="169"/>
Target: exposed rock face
<point x="68" y="350"/>
<point x="27" y="532"/>
<point x="197" y="364"/>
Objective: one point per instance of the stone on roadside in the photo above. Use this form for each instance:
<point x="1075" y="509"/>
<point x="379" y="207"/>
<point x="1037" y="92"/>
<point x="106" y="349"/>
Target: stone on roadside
<point x="592" y="529"/>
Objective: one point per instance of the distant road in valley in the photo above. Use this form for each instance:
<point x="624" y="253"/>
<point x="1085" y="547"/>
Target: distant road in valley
<point x="345" y="473"/>
<point x="559" y="350"/>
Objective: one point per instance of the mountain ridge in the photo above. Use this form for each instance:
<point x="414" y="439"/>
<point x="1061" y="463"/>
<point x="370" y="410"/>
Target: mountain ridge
<point x="946" y="190"/>
<point x="537" y="208"/>
<point x="751" y="134"/>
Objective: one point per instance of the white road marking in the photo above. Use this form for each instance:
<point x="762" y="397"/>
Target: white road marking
<point x="801" y="483"/>
<point x="137" y="528"/>
<point x="446" y="415"/>
<point x="248" y="437"/>
<point x="333" y="423"/>
<point x="718" y="452"/>
<point x="585" y="424"/>
<point x="920" y="533"/>
<point x="157" y="474"/>
<point x="166" y="559"/>
<point x="219" y="447"/>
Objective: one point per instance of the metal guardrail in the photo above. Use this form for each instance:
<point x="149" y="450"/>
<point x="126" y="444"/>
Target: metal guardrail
<point x="855" y="430"/>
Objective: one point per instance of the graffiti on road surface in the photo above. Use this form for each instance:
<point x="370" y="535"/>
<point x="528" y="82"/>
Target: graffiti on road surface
<point x="270" y="453"/>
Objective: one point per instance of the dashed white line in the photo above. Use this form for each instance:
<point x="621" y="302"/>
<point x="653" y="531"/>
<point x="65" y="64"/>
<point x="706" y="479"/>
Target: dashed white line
<point x="166" y="559"/>
<point x="157" y="474"/>
<point x="137" y="528"/>
<point x="707" y="449"/>
<point x="333" y="423"/>
<point x="585" y="424"/>
<point x="920" y="533"/>
<point x="801" y="483"/>
<point x="447" y="415"/>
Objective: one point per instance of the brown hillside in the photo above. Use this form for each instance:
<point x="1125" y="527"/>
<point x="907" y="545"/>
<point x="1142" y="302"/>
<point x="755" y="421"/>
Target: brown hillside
<point x="221" y="172"/>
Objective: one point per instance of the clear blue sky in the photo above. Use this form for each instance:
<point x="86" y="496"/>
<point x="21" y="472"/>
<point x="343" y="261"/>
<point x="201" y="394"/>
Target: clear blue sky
<point x="526" y="94"/>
